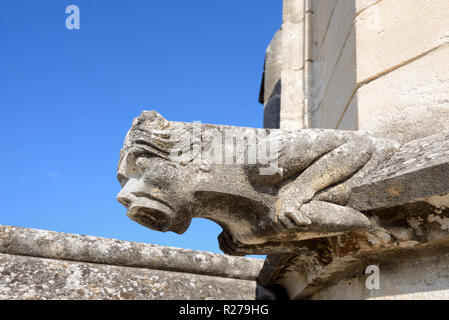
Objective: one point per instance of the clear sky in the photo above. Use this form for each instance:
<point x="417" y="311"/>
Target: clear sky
<point x="68" y="97"/>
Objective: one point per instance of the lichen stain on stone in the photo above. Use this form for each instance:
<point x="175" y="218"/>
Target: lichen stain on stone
<point x="80" y="292"/>
<point x="5" y="238"/>
<point x="394" y="191"/>
<point x="94" y="288"/>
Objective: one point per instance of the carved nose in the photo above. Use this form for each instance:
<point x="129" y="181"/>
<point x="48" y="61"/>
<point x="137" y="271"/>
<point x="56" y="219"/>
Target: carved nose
<point x="124" y="198"/>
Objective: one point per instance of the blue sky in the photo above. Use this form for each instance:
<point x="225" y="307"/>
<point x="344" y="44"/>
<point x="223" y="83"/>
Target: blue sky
<point x="68" y="97"/>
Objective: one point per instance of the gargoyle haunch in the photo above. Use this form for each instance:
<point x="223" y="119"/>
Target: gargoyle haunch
<point x="262" y="186"/>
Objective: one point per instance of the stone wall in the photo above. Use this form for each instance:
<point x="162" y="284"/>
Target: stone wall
<point x="37" y="264"/>
<point x="380" y="66"/>
<point x="334" y="61"/>
<point x="283" y="85"/>
<point x="401" y="78"/>
<point x="377" y="65"/>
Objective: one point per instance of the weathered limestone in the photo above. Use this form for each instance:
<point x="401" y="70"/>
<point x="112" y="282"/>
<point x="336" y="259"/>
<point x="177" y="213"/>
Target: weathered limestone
<point x="307" y="211"/>
<point x="414" y="277"/>
<point x="380" y="66"/>
<point x="292" y="75"/>
<point x="270" y="94"/>
<point x="328" y="107"/>
<point x="335" y="67"/>
<point x="398" y="31"/>
<point x="37" y="264"/>
<point x="25" y="277"/>
<point x="324" y="204"/>
<point x="335" y="269"/>
<point x="320" y="176"/>
<point x="408" y="198"/>
<point x="284" y="68"/>
<point x="410" y="102"/>
<point x="412" y="41"/>
<point x="302" y="196"/>
<point x="375" y="65"/>
<point x="328" y="60"/>
<point x="420" y="169"/>
<point x="413" y="233"/>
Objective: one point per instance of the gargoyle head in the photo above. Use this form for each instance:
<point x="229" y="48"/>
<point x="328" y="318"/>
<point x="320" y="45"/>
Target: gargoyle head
<point x="153" y="186"/>
<point x="170" y="173"/>
<point x="261" y="186"/>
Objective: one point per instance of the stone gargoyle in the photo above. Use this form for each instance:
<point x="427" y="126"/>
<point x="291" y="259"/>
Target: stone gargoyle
<point x="262" y="186"/>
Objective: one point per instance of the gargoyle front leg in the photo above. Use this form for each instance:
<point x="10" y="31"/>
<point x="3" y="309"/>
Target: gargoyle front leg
<point x="334" y="167"/>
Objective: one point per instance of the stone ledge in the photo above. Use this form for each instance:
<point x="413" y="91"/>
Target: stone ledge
<point x="30" y="278"/>
<point x="420" y="169"/>
<point x="73" y="247"/>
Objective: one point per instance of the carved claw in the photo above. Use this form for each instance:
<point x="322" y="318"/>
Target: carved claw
<point x="325" y="217"/>
<point x="288" y="208"/>
<point x="299" y="218"/>
<point x="291" y="219"/>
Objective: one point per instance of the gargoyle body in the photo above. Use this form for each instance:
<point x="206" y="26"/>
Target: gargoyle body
<point x="263" y="187"/>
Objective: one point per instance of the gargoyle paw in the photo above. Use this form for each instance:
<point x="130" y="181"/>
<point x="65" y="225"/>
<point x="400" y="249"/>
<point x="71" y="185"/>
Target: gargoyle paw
<point x="291" y="217"/>
<point x="288" y="211"/>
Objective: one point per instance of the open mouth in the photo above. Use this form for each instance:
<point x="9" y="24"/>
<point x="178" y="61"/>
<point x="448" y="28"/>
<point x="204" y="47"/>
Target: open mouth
<point x="151" y="213"/>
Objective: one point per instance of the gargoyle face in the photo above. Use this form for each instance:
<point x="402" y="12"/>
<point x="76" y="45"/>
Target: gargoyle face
<point x="153" y="193"/>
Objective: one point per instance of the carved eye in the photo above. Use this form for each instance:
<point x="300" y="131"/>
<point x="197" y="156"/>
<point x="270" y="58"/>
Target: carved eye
<point x="143" y="162"/>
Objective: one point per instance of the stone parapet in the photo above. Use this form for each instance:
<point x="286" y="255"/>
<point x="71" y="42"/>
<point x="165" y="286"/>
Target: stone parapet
<point x="38" y="264"/>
